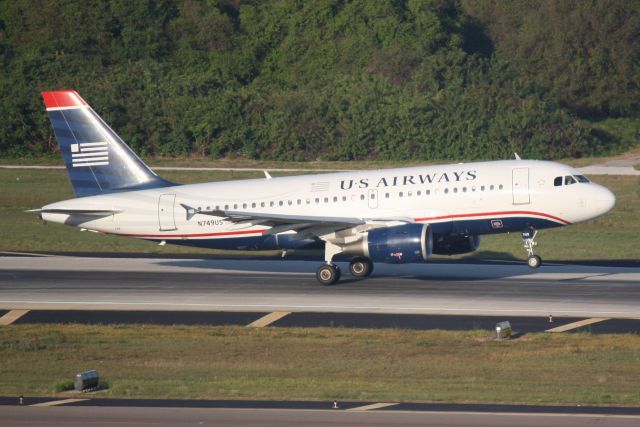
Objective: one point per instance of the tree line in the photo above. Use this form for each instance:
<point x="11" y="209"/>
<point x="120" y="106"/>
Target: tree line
<point x="327" y="79"/>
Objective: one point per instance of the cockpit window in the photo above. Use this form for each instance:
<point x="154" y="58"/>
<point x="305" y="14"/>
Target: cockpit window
<point x="582" y="179"/>
<point x="568" y="180"/>
<point x="557" y="182"/>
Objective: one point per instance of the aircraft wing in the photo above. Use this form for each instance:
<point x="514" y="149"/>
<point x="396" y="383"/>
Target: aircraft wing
<point x="306" y="225"/>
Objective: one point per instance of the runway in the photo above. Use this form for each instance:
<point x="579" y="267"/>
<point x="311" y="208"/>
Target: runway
<point x="483" y="289"/>
<point x="233" y="291"/>
<point x="130" y="412"/>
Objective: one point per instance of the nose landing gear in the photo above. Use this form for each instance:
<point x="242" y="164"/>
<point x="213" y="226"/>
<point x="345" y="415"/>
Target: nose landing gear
<point x="528" y="239"/>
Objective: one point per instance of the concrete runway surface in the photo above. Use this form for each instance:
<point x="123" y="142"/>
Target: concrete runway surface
<point x="251" y="286"/>
<point x="135" y="416"/>
<point x="73" y="283"/>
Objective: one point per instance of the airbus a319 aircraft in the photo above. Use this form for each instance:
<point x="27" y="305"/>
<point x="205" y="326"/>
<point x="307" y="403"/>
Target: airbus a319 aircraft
<point x="392" y="215"/>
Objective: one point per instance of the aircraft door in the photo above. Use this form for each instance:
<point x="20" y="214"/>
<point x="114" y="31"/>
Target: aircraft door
<point x="521" y="186"/>
<point x="166" y="218"/>
<point x="372" y="196"/>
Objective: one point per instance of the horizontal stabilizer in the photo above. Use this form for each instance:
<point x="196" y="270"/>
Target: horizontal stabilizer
<point x="97" y="212"/>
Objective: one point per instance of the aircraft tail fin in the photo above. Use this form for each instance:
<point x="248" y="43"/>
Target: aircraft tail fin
<point x="97" y="159"/>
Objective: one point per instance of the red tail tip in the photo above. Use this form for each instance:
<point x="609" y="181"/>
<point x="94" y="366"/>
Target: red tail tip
<point x="62" y="98"/>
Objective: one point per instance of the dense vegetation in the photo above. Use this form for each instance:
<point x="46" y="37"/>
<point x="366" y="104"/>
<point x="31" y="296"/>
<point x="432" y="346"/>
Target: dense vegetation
<point x="330" y="79"/>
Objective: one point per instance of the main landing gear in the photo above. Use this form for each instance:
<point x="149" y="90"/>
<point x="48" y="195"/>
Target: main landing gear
<point x="360" y="267"/>
<point x="528" y="239"/>
<point x="329" y="273"/>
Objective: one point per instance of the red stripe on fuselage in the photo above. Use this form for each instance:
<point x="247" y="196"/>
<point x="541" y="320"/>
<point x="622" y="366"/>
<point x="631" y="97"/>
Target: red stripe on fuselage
<point x="528" y="213"/>
<point x="62" y="99"/>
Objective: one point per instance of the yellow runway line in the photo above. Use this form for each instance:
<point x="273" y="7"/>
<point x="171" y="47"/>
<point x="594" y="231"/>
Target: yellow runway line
<point x="372" y="406"/>
<point x="268" y="319"/>
<point x="12" y="316"/>
<point x="58" y="402"/>
<point x="578" y="324"/>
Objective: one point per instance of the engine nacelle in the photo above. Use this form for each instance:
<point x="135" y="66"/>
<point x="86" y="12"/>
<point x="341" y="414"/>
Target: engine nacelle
<point x="395" y="245"/>
<point x="454" y="245"/>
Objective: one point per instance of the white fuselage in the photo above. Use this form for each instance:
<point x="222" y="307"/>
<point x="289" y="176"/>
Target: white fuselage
<point x="471" y="198"/>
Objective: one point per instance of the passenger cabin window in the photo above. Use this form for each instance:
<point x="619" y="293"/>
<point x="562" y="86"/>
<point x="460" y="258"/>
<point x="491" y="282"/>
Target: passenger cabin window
<point x="557" y="182"/>
<point x="568" y="180"/>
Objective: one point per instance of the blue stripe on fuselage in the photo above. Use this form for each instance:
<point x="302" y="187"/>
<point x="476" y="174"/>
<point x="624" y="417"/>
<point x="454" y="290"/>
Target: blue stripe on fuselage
<point x="288" y="241"/>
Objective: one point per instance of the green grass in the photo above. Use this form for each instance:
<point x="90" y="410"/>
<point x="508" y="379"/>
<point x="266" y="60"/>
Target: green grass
<point x="611" y="237"/>
<point x="323" y="363"/>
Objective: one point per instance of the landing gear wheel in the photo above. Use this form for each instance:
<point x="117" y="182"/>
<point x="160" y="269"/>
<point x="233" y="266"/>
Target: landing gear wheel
<point x="328" y="274"/>
<point x="534" y="261"/>
<point x="528" y="238"/>
<point x="360" y="267"/>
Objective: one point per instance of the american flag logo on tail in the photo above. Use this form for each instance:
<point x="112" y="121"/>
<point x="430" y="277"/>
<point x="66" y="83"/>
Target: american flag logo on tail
<point x="90" y="154"/>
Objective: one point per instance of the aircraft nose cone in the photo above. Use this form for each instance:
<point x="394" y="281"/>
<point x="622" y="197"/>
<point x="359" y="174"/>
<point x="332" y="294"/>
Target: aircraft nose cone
<point x="605" y="200"/>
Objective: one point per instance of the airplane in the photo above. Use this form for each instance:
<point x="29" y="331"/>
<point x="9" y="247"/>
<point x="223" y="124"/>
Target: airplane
<point x="401" y="215"/>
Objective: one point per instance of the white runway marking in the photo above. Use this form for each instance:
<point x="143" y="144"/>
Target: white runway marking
<point x="372" y="406"/>
<point x="31" y="254"/>
<point x="12" y="316"/>
<point x="574" y="325"/>
<point x="269" y="319"/>
<point x="109" y="305"/>
<point x="58" y="402"/>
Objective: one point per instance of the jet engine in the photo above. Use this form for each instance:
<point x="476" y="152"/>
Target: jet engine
<point x="395" y="245"/>
<point x="454" y="245"/>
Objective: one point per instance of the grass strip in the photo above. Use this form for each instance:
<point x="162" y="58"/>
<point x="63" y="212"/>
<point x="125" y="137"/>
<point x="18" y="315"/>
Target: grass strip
<point x="323" y="363"/>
